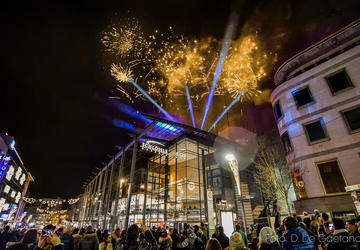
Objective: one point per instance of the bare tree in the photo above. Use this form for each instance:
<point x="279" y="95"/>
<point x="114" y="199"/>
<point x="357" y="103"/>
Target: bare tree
<point x="272" y="175"/>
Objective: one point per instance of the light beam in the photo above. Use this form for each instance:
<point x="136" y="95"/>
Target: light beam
<point x="150" y="99"/>
<point x="224" y="50"/>
<point x="227" y="109"/>
<point x="190" y="106"/>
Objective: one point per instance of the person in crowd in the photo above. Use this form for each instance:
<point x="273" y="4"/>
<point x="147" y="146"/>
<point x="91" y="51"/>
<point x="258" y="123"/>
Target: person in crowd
<point x="78" y="237"/>
<point x="5" y="237"/>
<point x="199" y="233"/>
<point x="190" y="241"/>
<point x="116" y="236"/>
<point x="175" y="239"/>
<point x="27" y="242"/>
<point x="352" y="228"/>
<point x="353" y="232"/>
<point x="296" y="237"/>
<point x="317" y="214"/>
<point x="105" y="243"/>
<point x="243" y="235"/>
<point x="251" y="233"/>
<point x="149" y="237"/>
<point x="204" y="229"/>
<point x="213" y="244"/>
<point x="75" y="232"/>
<point x="67" y="239"/>
<point x="59" y="231"/>
<point x="314" y="225"/>
<point x="165" y="241"/>
<point x="221" y="237"/>
<point x="306" y="219"/>
<point x="90" y="240"/>
<point x="339" y="239"/>
<point x="99" y="234"/>
<point x="49" y="241"/>
<point x="132" y="240"/>
<point x="268" y="239"/>
<point x="236" y="241"/>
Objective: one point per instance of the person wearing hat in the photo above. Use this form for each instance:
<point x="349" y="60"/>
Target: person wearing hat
<point x="268" y="239"/>
<point x="189" y="241"/>
<point x="90" y="240"/>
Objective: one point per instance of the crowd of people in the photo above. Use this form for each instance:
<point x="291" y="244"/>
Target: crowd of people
<point x="307" y="232"/>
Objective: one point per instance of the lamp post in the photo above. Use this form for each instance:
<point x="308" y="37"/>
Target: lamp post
<point x="234" y="166"/>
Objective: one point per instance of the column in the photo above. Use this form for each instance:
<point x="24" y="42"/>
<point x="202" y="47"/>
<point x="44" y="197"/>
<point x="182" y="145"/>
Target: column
<point x="131" y="183"/>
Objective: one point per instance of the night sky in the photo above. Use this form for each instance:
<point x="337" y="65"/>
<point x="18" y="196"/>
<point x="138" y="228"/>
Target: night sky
<point x="53" y="79"/>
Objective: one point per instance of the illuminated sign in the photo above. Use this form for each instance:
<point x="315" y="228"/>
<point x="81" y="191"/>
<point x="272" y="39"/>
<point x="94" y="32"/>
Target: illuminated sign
<point x="154" y="148"/>
<point x="18" y="173"/>
<point x="3" y="168"/>
<point x="6" y="189"/>
<point x="4" y="216"/>
<point x="22" y="179"/>
<point x="10" y="173"/>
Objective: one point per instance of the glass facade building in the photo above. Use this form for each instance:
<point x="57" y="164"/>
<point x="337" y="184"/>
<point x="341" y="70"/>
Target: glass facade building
<point x="175" y="180"/>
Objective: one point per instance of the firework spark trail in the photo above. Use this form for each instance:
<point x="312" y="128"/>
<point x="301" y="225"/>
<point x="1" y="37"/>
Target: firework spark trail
<point x="227" y="109"/>
<point x="224" y="49"/>
<point x="190" y="106"/>
<point x="151" y="100"/>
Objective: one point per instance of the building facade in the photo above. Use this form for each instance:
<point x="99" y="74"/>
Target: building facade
<point x="317" y="107"/>
<point x="14" y="181"/>
<point x="173" y="174"/>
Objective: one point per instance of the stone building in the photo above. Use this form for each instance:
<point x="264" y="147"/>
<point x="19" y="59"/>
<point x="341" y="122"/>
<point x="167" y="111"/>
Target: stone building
<point x="317" y="107"/>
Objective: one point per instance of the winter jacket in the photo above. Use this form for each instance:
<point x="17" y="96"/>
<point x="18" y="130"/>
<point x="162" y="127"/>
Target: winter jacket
<point x="77" y="238"/>
<point x="135" y="245"/>
<point x="339" y="239"/>
<point x="104" y="246"/>
<point x="165" y="243"/>
<point x="223" y="239"/>
<point x="67" y="240"/>
<point x="188" y="242"/>
<point x="297" y="239"/>
<point x="149" y="237"/>
<point x="20" y="246"/>
<point x="89" y="242"/>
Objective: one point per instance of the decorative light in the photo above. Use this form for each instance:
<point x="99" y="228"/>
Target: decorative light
<point x="6" y="189"/>
<point x="18" y="173"/>
<point x="22" y="179"/>
<point x="18" y="196"/>
<point x="10" y="173"/>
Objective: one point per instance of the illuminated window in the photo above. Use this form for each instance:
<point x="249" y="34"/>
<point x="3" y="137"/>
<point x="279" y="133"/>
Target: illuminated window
<point x="316" y="131"/>
<point x="2" y="201"/>
<point x="339" y="81"/>
<point x="6" y="189"/>
<point x="286" y="142"/>
<point x="13" y="193"/>
<point x="352" y="118"/>
<point x="331" y="177"/>
<point x="302" y="97"/>
<point x="10" y="173"/>
<point x="22" y="179"/>
<point x="6" y="207"/>
<point x="18" y="173"/>
<point x="277" y="111"/>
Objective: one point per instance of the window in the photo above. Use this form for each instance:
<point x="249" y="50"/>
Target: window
<point x="331" y="177"/>
<point x="286" y="142"/>
<point x="277" y="110"/>
<point x="316" y="131"/>
<point x="302" y="96"/>
<point x="352" y="117"/>
<point x="339" y="81"/>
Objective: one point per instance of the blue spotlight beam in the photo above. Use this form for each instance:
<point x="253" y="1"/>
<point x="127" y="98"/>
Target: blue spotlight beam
<point x="224" y="50"/>
<point x="190" y="106"/>
<point x="150" y="99"/>
<point x="227" y="109"/>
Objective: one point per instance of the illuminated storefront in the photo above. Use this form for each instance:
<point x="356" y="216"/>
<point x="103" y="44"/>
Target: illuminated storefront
<point x="14" y="181"/>
<point x="174" y="174"/>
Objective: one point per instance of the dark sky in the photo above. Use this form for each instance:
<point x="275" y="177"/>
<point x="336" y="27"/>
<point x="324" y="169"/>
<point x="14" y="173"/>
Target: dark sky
<point x="53" y="77"/>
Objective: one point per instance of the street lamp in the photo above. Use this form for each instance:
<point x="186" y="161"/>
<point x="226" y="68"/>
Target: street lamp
<point x="234" y="166"/>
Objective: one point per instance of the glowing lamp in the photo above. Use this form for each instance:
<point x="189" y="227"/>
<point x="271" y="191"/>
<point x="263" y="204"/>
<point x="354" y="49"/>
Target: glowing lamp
<point x="230" y="157"/>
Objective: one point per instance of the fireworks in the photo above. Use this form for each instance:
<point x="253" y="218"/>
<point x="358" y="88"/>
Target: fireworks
<point x="164" y="64"/>
<point x="128" y="40"/>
